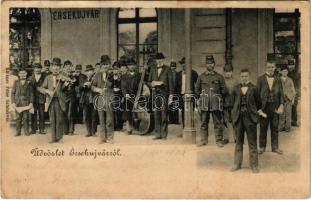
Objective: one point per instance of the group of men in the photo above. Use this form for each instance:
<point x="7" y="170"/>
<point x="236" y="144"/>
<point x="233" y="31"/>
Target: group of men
<point x="67" y="92"/>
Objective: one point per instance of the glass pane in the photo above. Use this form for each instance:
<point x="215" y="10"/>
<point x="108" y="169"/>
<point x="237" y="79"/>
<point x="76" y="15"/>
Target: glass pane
<point x="127" y="13"/>
<point x="145" y="51"/>
<point x="127" y="34"/>
<point x="148" y="33"/>
<point x="15" y="38"/>
<point x="127" y="50"/>
<point x="147" y="12"/>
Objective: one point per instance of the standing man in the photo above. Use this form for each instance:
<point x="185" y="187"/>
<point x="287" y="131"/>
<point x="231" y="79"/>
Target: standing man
<point x="160" y="80"/>
<point x="246" y="103"/>
<point x="285" y="121"/>
<point x="211" y="88"/>
<point x="181" y="88"/>
<point x="36" y="81"/>
<point x="173" y="113"/>
<point x="129" y="85"/>
<point x="86" y="102"/>
<point x="69" y="99"/>
<point x="228" y="104"/>
<point x="294" y="74"/>
<point x="102" y="85"/>
<point x="78" y="85"/>
<point x="46" y="68"/>
<point x="21" y="97"/>
<point x="272" y="99"/>
<point x="54" y="88"/>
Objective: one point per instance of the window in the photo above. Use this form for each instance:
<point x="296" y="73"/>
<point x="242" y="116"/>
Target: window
<point x="137" y="33"/>
<point x="24" y="42"/>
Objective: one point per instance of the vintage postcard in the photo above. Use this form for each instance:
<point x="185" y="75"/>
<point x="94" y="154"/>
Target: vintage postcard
<point x="155" y="99"/>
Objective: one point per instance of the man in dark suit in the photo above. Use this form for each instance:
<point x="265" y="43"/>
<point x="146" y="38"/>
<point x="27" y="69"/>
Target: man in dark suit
<point x="36" y="81"/>
<point x="160" y="80"/>
<point x="54" y="88"/>
<point x="172" y="112"/>
<point x="180" y="86"/>
<point x="212" y="89"/>
<point x="129" y="85"/>
<point x="78" y="85"/>
<point x="46" y="68"/>
<point x="294" y="74"/>
<point x="246" y="103"/>
<point x="103" y="86"/>
<point x="86" y="101"/>
<point x="22" y="96"/>
<point x="271" y="95"/>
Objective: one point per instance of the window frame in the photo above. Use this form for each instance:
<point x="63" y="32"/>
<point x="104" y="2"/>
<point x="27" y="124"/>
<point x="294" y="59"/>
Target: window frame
<point x="137" y="20"/>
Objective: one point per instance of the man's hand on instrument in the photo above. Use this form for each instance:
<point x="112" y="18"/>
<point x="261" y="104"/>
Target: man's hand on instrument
<point x="262" y="114"/>
<point x="49" y="92"/>
<point x="128" y="96"/>
<point x="280" y="110"/>
<point x="66" y="83"/>
<point x="170" y="99"/>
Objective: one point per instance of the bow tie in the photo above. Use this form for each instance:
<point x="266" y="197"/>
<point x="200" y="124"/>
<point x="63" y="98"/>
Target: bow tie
<point x="270" y="76"/>
<point x="244" y="85"/>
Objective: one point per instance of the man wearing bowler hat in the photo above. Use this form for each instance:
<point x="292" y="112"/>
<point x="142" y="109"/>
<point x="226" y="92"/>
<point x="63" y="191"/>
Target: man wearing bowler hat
<point x="272" y="99"/>
<point x="46" y="68"/>
<point x="36" y="81"/>
<point x="54" y="88"/>
<point x="212" y="89"/>
<point x="160" y="79"/>
<point x="78" y="85"/>
<point x="103" y="87"/>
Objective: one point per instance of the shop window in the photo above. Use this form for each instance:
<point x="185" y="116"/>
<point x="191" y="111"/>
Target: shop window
<point x="287" y="36"/>
<point x="25" y="32"/>
<point x="137" y="33"/>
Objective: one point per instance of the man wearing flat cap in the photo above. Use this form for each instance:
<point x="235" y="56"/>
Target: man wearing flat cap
<point x="46" y="68"/>
<point x="160" y="80"/>
<point x="103" y="87"/>
<point x="36" y="81"/>
<point x="212" y="89"/>
<point x="54" y="88"/>
<point x="272" y="99"/>
<point x="180" y="86"/>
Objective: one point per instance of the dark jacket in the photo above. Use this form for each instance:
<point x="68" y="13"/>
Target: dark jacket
<point x="263" y="89"/>
<point x="129" y="84"/>
<point x="166" y="77"/>
<point x="39" y="98"/>
<point x="253" y="102"/>
<point x="22" y="95"/>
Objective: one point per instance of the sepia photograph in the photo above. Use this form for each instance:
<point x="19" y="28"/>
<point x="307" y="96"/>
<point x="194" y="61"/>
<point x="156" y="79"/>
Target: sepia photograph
<point x="155" y="99"/>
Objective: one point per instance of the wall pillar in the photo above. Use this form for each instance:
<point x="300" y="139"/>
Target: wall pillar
<point x="46" y="36"/>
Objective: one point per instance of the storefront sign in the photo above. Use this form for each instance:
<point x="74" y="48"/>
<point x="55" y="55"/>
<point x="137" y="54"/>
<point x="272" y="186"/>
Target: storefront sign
<point x="75" y="14"/>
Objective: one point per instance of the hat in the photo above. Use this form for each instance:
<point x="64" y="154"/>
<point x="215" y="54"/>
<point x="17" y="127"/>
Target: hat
<point x="78" y="67"/>
<point x="159" y="56"/>
<point x="116" y="64"/>
<point x="104" y="59"/>
<point x="291" y="62"/>
<point x="209" y="59"/>
<point x="173" y="64"/>
<point x="46" y="63"/>
<point x="67" y="62"/>
<point x="56" y="61"/>
<point x="88" y="68"/>
<point x="270" y="57"/>
<point x="131" y="61"/>
<point x="182" y="61"/>
<point x="283" y="67"/>
<point x="228" y="68"/>
<point x="122" y="63"/>
<point x="37" y="65"/>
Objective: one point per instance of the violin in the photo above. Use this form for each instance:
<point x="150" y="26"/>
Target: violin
<point x="65" y="78"/>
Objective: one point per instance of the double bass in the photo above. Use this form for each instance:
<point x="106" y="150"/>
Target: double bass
<point x="143" y="118"/>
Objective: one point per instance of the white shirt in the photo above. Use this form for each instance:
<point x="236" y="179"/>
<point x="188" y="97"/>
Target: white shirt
<point x="159" y="70"/>
<point x="183" y="83"/>
<point x="244" y="89"/>
<point x="104" y="76"/>
<point x="37" y="77"/>
<point x="270" y="82"/>
<point x="54" y="81"/>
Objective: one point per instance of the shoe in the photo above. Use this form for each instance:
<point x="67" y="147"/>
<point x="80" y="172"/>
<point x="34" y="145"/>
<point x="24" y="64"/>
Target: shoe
<point x="32" y="132"/>
<point x="225" y="141"/>
<point x="17" y="134"/>
<point x="53" y="141"/>
<point x="88" y="135"/>
<point x="156" y="138"/>
<point x="129" y="132"/>
<point x="261" y="150"/>
<point x="295" y="124"/>
<point x="220" y="144"/>
<point x="71" y="134"/>
<point x="102" y="142"/>
<point x="255" y="170"/>
<point x="110" y="141"/>
<point x="200" y="144"/>
<point x="94" y="135"/>
<point x="278" y="151"/>
<point x="235" y="168"/>
<point x="42" y="132"/>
